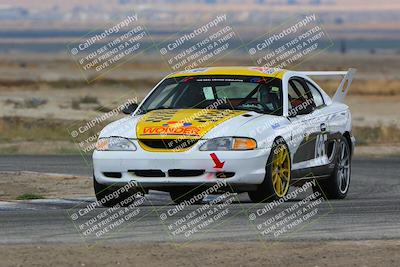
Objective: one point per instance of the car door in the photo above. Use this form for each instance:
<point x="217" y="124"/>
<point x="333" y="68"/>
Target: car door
<point x="309" y="125"/>
<point x="320" y="119"/>
<point x="334" y="122"/>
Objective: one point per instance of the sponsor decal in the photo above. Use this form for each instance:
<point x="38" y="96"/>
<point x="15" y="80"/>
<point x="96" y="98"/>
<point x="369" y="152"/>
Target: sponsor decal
<point x="185" y="123"/>
<point x="172" y="128"/>
<point x="187" y="79"/>
<point x="256" y="80"/>
<point x="275" y="125"/>
<point x="177" y="124"/>
<point x="265" y="70"/>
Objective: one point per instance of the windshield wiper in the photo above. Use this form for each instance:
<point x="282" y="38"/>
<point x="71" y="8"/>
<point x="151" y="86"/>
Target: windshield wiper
<point x="240" y="108"/>
<point x="250" y="109"/>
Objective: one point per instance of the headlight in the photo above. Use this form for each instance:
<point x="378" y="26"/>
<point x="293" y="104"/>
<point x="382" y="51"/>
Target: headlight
<point x="115" y="144"/>
<point x="229" y="143"/>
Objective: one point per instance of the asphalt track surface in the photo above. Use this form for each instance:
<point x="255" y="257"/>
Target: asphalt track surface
<point x="370" y="211"/>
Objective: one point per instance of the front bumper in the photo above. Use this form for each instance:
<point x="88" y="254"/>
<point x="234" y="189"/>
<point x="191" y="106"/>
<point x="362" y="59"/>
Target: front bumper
<point x="248" y="167"/>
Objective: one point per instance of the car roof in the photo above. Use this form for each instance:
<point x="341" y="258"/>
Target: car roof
<point x="232" y="70"/>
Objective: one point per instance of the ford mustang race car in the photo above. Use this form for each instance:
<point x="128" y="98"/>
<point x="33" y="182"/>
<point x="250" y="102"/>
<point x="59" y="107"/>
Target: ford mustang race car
<point x="245" y="129"/>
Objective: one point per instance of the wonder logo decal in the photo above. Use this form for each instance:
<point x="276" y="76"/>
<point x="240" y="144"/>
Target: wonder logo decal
<point x="172" y="128"/>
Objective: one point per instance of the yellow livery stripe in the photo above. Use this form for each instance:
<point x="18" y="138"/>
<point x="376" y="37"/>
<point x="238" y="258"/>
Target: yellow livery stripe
<point x="181" y="123"/>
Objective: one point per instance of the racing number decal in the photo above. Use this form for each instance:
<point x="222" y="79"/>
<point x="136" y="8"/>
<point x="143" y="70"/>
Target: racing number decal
<point x="320" y="145"/>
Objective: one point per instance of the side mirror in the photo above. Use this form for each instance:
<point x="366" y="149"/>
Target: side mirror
<point x="130" y="108"/>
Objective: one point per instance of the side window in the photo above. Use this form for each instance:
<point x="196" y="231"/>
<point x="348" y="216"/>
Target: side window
<point x="318" y="99"/>
<point x="302" y="91"/>
<point x="297" y="93"/>
<point x="300" y="99"/>
<point x="292" y="95"/>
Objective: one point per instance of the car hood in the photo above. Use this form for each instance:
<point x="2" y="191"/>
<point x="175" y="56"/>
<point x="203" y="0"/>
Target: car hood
<point x="178" y="123"/>
<point x="194" y="124"/>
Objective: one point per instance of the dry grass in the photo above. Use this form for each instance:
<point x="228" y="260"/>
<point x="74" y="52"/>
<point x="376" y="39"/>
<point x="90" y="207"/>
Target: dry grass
<point x="19" y="135"/>
<point x="24" y="185"/>
<point x="377" y="135"/>
<point x="29" y="196"/>
<point x="373" y="96"/>
<point x="39" y="148"/>
<point x="23" y="135"/>
<point x="365" y="87"/>
<point x="27" y="129"/>
<point x="359" y="87"/>
<point x="376" y="74"/>
<point x="6" y="84"/>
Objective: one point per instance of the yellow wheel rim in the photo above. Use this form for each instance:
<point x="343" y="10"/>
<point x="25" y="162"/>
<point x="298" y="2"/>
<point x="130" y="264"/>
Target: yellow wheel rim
<point x="281" y="170"/>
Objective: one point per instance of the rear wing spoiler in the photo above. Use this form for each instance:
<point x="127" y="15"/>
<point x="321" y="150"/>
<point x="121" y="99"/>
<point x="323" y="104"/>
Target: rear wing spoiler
<point x="344" y="85"/>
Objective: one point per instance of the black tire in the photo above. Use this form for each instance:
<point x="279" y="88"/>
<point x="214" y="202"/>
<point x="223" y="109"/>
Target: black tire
<point x="179" y="196"/>
<point x="102" y="191"/>
<point x="266" y="191"/>
<point x="337" y="185"/>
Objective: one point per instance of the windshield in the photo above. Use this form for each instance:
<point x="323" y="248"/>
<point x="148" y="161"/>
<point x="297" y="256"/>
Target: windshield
<point x="259" y="94"/>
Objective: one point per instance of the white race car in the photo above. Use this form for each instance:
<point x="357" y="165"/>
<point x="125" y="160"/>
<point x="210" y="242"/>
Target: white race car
<point x="238" y="129"/>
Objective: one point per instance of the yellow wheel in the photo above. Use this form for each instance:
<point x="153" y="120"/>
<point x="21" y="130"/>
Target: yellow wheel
<point x="281" y="170"/>
<point x="277" y="175"/>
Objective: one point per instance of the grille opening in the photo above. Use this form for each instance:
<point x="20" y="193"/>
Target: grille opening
<point x="112" y="174"/>
<point x="184" y="173"/>
<point x="169" y="143"/>
<point x="224" y="174"/>
<point x="148" y="173"/>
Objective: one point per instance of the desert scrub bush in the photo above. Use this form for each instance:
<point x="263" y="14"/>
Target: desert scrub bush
<point x="32" y="102"/>
<point x="381" y="134"/>
<point x="29" y="196"/>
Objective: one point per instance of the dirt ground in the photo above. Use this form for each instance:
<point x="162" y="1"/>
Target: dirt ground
<point x="14" y="184"/>
<point x="344" y="253"/>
